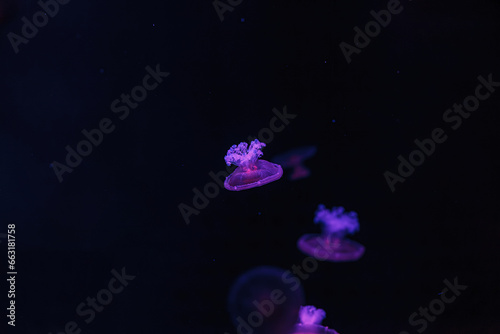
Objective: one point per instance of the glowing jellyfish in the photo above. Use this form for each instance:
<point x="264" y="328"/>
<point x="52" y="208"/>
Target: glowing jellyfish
<point x="332" y="245"/>
<point x="261" y="301"/>
<point x="251" y="171"/>
<point x="294" y="159"/>
<point x="310" y="319"/>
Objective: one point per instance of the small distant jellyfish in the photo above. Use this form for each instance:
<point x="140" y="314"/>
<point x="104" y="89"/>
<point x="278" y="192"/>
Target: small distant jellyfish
<point x="262" y="302"/>
<point x="251" y="171"/>
<point x="331" y="244"/>
<point x="310" y="319"/>
<point x="294" y="159"/>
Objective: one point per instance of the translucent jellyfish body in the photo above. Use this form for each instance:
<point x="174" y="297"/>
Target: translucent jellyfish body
<point x="262" y="301"/>
<point x="310" y="319"/>
<point x="251" y="171"/>
<point x="331" y="244"/>
<point x="294" y="159"/>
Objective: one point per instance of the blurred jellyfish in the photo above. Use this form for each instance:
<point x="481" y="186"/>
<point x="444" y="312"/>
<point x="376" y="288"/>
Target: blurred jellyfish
<point x="260" y="301"/>
<point x="294" y="159"/>
<point x="332" y="245"/>
<point x="251" y="171"/>
<point x="310" y="319"/>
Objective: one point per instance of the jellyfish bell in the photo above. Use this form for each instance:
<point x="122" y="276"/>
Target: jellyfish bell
<point x="251" y="171"/>
<point x="263" y="172"/>
<point x="331" y="244"/>
<point x="330" y="248"/>
<point x="310" y="319"/>
<point x="294" y="159"/>
<point x="260" y="302"/>
<point x="313" y="329"/>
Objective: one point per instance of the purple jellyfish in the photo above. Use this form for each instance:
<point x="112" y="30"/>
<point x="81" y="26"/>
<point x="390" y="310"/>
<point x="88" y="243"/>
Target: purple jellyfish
<point x="294" y="159"/>
<point x="262" y="302"/>
<point x="251" y="171"/>
<point x="332" y="245"/>
<point x="310" y="319"/>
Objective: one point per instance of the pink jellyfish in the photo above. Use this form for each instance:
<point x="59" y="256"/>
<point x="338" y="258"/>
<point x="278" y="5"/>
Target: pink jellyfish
<point x="332" y="245"/>
<point x="310" y="319"/>
<point x="251" y="171"/>
<point x="294" y="159"/>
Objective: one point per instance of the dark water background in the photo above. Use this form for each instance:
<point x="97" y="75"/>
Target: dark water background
<point x="119" y="207"/>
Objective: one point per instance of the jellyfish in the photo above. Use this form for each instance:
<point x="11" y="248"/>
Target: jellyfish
<point x="331" y="244"/>
<point x="310" y="319"/>
<point x="261" y="301"/>
<point x="294" y="159"/>
<point x="251" y="171"/>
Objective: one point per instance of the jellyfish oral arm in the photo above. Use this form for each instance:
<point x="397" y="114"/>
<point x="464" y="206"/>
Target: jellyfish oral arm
<point x="336" y="222"/>
<point x="244" y="157"/>
<point x="310" y="315"/>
